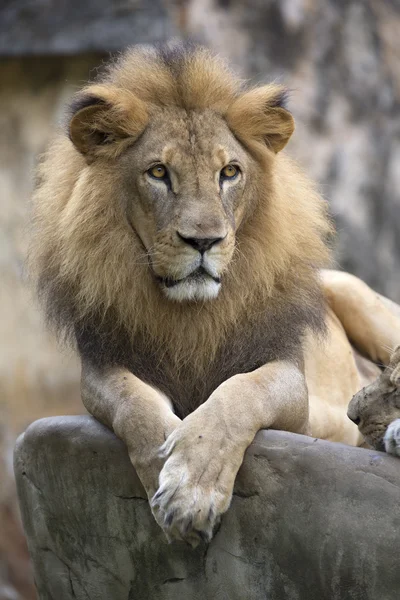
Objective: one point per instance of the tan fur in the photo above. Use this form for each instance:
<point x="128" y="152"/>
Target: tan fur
<point x="112" y="244"/>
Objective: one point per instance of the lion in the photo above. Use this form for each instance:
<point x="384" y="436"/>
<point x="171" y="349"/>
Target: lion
<point x="183" y="253"/>
<point x="376" y="408"/>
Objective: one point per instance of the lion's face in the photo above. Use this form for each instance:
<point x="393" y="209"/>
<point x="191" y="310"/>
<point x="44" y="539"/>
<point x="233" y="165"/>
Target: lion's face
<point x="185" y="189"/>
<point x="188" y="152"/>
<point x="376" y="406"/>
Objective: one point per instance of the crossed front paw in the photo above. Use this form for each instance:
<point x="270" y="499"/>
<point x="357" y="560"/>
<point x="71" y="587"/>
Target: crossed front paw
<point x="392" y="438"/>
<point x="195" y="484"/>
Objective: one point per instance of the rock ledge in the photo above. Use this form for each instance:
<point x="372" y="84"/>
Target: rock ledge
<point x="310" y="520"/>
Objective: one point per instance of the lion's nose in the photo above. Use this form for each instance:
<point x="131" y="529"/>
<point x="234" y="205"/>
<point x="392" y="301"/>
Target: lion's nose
<point x="353" y="410"/>
<point x="200" y="244"/>
<point x="356" y="420"/>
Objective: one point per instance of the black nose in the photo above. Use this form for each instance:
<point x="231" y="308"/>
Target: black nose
<point x="355" y="420"/>
<point x="200" y="244"/>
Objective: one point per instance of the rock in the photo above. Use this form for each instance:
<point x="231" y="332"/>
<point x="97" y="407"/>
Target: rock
<point x="51" y="27"/>
<point x="310" y="520"/>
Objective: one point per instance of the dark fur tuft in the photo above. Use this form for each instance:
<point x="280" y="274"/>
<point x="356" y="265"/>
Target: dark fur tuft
<point x="282" y="100"/>
<point x="83" y="101"/>
<point x="175" y="54"/>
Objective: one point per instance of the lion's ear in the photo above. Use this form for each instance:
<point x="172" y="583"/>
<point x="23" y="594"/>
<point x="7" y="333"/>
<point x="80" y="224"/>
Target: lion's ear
<point x="260" y="113"/>
<point x="104" y="120"/>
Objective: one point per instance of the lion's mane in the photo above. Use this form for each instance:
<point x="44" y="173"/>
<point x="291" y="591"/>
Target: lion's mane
<point x="92" y="273"/>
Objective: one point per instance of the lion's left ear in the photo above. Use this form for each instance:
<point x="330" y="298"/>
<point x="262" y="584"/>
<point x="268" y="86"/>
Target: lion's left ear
<point x="260" y="113"/>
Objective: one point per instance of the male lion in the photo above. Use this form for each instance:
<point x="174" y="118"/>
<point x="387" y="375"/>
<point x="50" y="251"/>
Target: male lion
<point x="182" y="250"/>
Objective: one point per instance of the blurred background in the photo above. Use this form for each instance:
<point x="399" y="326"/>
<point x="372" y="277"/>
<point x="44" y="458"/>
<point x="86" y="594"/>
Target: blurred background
<point x="340" y="58"/>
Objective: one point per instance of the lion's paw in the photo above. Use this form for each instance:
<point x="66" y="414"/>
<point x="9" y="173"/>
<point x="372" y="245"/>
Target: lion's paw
<point x="392" y="438"/>
<point x="195" y="487"/>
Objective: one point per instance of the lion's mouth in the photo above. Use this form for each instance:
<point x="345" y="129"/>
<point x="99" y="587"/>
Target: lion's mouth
<point x="374" y="435"/>
<point x="198" y="275"/>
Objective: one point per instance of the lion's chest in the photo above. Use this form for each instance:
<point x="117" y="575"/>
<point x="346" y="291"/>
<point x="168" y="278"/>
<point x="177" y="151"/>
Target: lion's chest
<point x="246" y="349"/>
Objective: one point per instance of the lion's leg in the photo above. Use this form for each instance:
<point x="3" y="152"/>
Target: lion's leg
<point x="333" y="377"/>
<point x="205" y="452"/>
<point x="371" y="322"/>
<point x="139" y="415"/>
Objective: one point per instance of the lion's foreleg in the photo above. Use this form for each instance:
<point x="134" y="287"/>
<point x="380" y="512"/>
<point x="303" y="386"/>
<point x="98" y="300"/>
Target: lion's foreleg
<point x="139" y="415"/>
<point x="205" y="452"/>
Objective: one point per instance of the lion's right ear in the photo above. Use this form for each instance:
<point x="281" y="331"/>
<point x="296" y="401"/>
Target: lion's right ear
<point x="104" y="120"/>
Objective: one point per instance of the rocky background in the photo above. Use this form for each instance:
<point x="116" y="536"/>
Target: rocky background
<point x="341" y="60"/>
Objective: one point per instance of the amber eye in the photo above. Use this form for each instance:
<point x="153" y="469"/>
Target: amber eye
<point x="158" y="172"/>
<point x="229" y="172"/>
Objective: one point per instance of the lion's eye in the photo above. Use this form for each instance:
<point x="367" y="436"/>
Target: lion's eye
<point x="158" y="172"/>
<point x="229" y="172"/>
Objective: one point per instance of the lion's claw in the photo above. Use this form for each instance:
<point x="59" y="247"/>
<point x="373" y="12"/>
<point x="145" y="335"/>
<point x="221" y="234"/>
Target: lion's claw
<point x="185" y="507"/>
<point x="183" y="523"/>
<point x="196" y="481"/>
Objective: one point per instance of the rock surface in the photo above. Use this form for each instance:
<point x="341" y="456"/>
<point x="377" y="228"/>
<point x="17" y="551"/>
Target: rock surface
<point x="59" y="27"/>
<point x="310" y="520"/>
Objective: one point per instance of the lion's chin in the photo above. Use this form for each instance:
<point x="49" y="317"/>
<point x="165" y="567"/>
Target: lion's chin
<point x="193" y="289"/>
<point x="374" y="437"/>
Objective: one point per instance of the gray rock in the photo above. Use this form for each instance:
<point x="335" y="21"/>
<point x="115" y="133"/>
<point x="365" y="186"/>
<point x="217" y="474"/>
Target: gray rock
<point x="60" y="27"/>
<point x="310" y="520"/>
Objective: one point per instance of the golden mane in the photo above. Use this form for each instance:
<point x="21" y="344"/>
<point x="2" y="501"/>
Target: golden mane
<point x="88" y="264"/>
